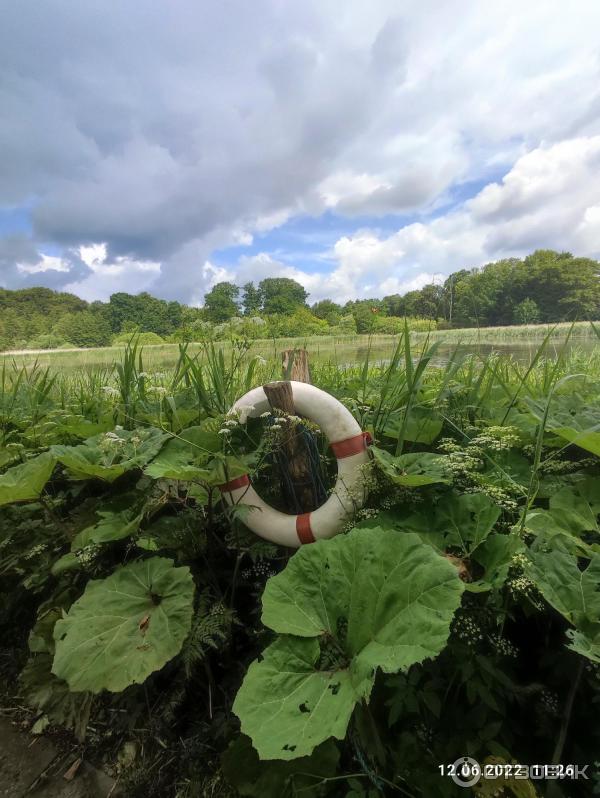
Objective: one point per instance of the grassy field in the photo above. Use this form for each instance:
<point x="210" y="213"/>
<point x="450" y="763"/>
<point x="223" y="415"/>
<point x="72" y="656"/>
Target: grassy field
<point x="521" y="341"/>
<point x="139" y="613"/>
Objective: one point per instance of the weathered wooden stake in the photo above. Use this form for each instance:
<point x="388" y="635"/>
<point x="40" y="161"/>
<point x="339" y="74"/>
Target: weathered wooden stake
<point x="295" y="367"/>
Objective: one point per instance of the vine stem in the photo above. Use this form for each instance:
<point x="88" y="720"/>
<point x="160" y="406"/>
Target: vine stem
<point x="553" y="790"/>
<point x="562" y="736"/>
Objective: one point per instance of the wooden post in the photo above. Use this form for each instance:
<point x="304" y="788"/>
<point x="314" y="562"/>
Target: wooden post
<point x="294" y="365"/>
<point x="294" y="449"/>
<point x="305" y="496"/>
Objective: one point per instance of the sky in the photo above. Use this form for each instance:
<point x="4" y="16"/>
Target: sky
<point x="362" y="149"/>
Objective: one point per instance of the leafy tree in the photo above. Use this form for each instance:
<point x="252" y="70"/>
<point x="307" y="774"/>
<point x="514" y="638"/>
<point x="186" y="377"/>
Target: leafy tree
<point x="221" y="302"/>
<point x="365" y="311"/>
<point x="429" y="302"/>
<point x="527" y="312"/>
<point x="251" y="299"/>
<point x="83" y="329"/>
<point x="300" y="322"/>
<point x="281" y="295"/>
<point x="143" y="312"/>
<point x="328" y="310"/>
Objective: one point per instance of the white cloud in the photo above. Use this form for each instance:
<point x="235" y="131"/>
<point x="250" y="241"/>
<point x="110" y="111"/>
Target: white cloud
<point x="168" y="133"/>
<point x="44" y="264"/>
<point x="550" y="198"/>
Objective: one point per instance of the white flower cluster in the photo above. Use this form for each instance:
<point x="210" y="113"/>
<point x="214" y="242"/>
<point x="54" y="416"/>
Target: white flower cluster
<point x="503" y="646"/>
<point x="109" y="390"/>
<point x="87" y="555"/>
<point x="40" y="548"/>
<point x="497" y="439"/>
<point x="521" y="586"/>
<point x="468" y="630"/>
<point x="549" y="701"/>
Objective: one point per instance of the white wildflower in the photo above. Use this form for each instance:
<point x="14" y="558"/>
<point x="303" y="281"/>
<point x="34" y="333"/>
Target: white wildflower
<point x="225" y="431"/>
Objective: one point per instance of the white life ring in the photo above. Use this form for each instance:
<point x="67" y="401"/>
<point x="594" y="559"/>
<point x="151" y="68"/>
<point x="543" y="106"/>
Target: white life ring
<point x="349" y="445"/>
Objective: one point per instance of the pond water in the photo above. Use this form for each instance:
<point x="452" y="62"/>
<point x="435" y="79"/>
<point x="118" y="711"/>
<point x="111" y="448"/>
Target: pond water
<point x="342" y="351"/>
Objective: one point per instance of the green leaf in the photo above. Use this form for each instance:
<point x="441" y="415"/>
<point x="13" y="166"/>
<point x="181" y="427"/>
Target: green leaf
<point x="372" y="599"/>
<point x="461" y="522"/>
<point x="587" y="646"/>
<point x="422" y="426"/>
<point x="570" y="590"/>
<point x="288" y="706"/>
<point x="112" y="454"/>
<point x="572" y="419"/>
<point x="185" y="457"/>
<point x="120" y="518"/>
<point x="25" y="482"/>
<point x="574" y="593"/>
<point x="46" y="692"/>
<point x="124" y="627"/>
<point x="495" y="555"/>
<point x="278" y="779"/>
<point x="412" y="470"/>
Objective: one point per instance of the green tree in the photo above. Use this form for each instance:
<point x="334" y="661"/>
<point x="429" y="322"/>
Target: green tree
<point x="83" y="329"/>
<point x="281" y="295"/>
<point x="527" y="312"/>
<point x="251" y="299"/>
<point x="300" y="322"/>
<point x="221" y="302"/>
<point x="328" y="310"/>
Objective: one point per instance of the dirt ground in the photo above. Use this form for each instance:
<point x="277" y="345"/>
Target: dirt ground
<point x="33" y="766"/>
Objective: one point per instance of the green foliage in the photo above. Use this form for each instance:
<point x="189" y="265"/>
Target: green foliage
<point x="110" y="455"/>
<point x="295" y="323"/>
<point x="544" y="287"/>
<point x="142" y="338"/>
<point x="221" y="302"/>
<point x="83" y="329"/>
<point x="278" y="779"/>
<point x="251" y="300"/>
<point x="281" y="295"/>
<point x="573" y="591"/>
<point x="411" y="470"/>
<point x="26" y="481"/>
<point x="485" y="473"/>
<point x="124" y="627"/>
<point x="527" y="312"/>
<point x="344" y="607"/>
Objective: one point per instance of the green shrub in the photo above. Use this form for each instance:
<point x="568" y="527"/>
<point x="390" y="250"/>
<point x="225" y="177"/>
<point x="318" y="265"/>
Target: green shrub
<point x="145" y="338"/>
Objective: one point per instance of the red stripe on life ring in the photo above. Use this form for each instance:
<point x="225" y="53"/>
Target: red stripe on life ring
<point x="350" y="446"/>
<point x="303" y="529"/>
<point x="234" y="484"/>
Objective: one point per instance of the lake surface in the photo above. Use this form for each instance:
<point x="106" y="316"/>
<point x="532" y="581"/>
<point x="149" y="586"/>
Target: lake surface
<point x="341" y="351"/>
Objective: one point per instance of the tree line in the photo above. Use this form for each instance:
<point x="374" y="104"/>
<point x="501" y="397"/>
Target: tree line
<point x="544" y="287"/>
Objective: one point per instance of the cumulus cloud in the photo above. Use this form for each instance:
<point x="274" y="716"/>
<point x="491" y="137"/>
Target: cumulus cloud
<point x="166" y="133"/>
<point x="523" y="212"/>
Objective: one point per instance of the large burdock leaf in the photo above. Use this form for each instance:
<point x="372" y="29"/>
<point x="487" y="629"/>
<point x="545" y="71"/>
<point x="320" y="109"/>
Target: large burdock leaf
<point x="112" y="454"/>
<point x="573" y="591"/>
<point x="185" y="457"/>
<point x="124" y="627"/>
<point x="458" y="522"/>
<point x="25" y="482"/>
<point x="371" y="599"/>
<point x="117" y="518"/>
<point x="569" y="589"/>
<point x="572" y="419"/>
<point x="412" y="470"/>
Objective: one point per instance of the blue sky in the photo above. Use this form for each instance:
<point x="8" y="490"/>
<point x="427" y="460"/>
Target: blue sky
<point x="362" y="149"/>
